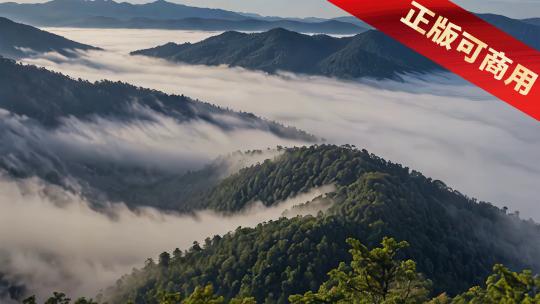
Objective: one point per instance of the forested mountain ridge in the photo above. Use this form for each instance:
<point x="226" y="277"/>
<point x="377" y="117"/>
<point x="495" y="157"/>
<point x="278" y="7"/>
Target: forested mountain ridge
<point x="39" y="107"/>
<point x="48" y="97"/>
<point x="455" y="240"/>
<point x="19" y="40"/>
<point x="370" y="54"/>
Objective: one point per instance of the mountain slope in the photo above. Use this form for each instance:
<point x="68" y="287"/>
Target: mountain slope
<point x="367" y="54"/>
<point x="77" y="134"/>
<point x="58" y="12"/>
<point x="15" y="38"/>
<point x="455" y="239"/>
<point x="533" y="21"/>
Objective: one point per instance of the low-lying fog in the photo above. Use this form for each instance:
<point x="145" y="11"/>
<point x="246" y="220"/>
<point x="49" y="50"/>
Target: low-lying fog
<point x="439" y="125"/>
<point x="61" y="244"/>
<point x="131" y="39"/>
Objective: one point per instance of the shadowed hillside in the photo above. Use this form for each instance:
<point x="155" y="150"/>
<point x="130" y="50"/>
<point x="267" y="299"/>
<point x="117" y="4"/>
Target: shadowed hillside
<point x="19" y="40"/>
<point x="51" y="123"/>
<point x="370" y="54"/>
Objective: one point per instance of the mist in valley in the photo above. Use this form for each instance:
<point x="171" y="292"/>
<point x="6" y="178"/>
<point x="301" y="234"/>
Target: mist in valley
<point x="53" y="240"/>
<point x="437" y="124"/>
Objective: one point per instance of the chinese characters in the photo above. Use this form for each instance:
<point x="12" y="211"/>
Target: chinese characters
<point x="446" y="34"/>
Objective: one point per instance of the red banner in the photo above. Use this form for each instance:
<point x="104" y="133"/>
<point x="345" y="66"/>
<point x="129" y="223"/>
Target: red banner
<point x="460" y="42"/>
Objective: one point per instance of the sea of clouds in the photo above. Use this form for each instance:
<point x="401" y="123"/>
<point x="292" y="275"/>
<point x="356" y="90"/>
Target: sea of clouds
<point x="436" y="124"/>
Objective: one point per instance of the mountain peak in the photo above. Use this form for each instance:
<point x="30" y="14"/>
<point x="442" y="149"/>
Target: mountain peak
<point x="15" y="36"/>
<point x="282" y="33"/>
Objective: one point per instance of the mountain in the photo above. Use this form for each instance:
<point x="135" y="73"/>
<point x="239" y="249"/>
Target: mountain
<point x="454" y="239"/>
<point x="52" y="127"/>
<point x="19" y="40"/>
<point x="204" y="24"/>
<point x="158" y="15"/>
<point x="353" y="20"/>
<point x="371" y="54"/>
<point x="58" y="12"/>
<point x="533" y="21"/>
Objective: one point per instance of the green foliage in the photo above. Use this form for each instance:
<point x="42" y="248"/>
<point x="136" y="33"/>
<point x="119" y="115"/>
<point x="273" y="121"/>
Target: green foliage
<point x="373" y="276"/>
<point x="30" y="300"/>
<point x="241" y="300"/>
<point x="201" y="295"/>
<point x="454" y="240"/>
<point x="204" y="295"/>
<point x="504" y="287"/>
<point x="168" y="297"/>
<point x="59" y="298"/>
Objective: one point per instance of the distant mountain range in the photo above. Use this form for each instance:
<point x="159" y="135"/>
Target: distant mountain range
<point x="327" y="26"/>
<point x="167" y="15"/>
<point x="159" y="15"/>
<point x="19" y="40"/>
<point x="58" y="12"/>
<point x="36" y="104"/>
<point x="533" y="21"/>
<point x="370" y="54"/>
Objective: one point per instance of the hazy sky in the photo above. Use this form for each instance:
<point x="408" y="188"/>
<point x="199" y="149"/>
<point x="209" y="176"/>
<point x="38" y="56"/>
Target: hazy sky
<point x="322" y="8"/>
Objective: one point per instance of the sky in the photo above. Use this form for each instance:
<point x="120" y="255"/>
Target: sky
<point x="322" y="8"/>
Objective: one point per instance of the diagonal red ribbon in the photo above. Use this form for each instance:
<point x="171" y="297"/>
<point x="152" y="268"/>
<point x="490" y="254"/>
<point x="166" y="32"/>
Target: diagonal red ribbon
<point x="517" y="85"/>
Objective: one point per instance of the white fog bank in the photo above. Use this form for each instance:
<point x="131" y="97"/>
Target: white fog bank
<point x="438" y="125"/>
<point x="53" y="241"/>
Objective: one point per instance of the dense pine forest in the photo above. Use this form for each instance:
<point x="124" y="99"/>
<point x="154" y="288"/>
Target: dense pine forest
<point x="372" y="276"/>
<point x="455" y="240"/>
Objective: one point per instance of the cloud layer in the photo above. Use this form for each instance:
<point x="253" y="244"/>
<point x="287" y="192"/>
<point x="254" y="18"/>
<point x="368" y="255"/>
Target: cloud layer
<point x="439" y="125"/>
<point x="53" y="241"/>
